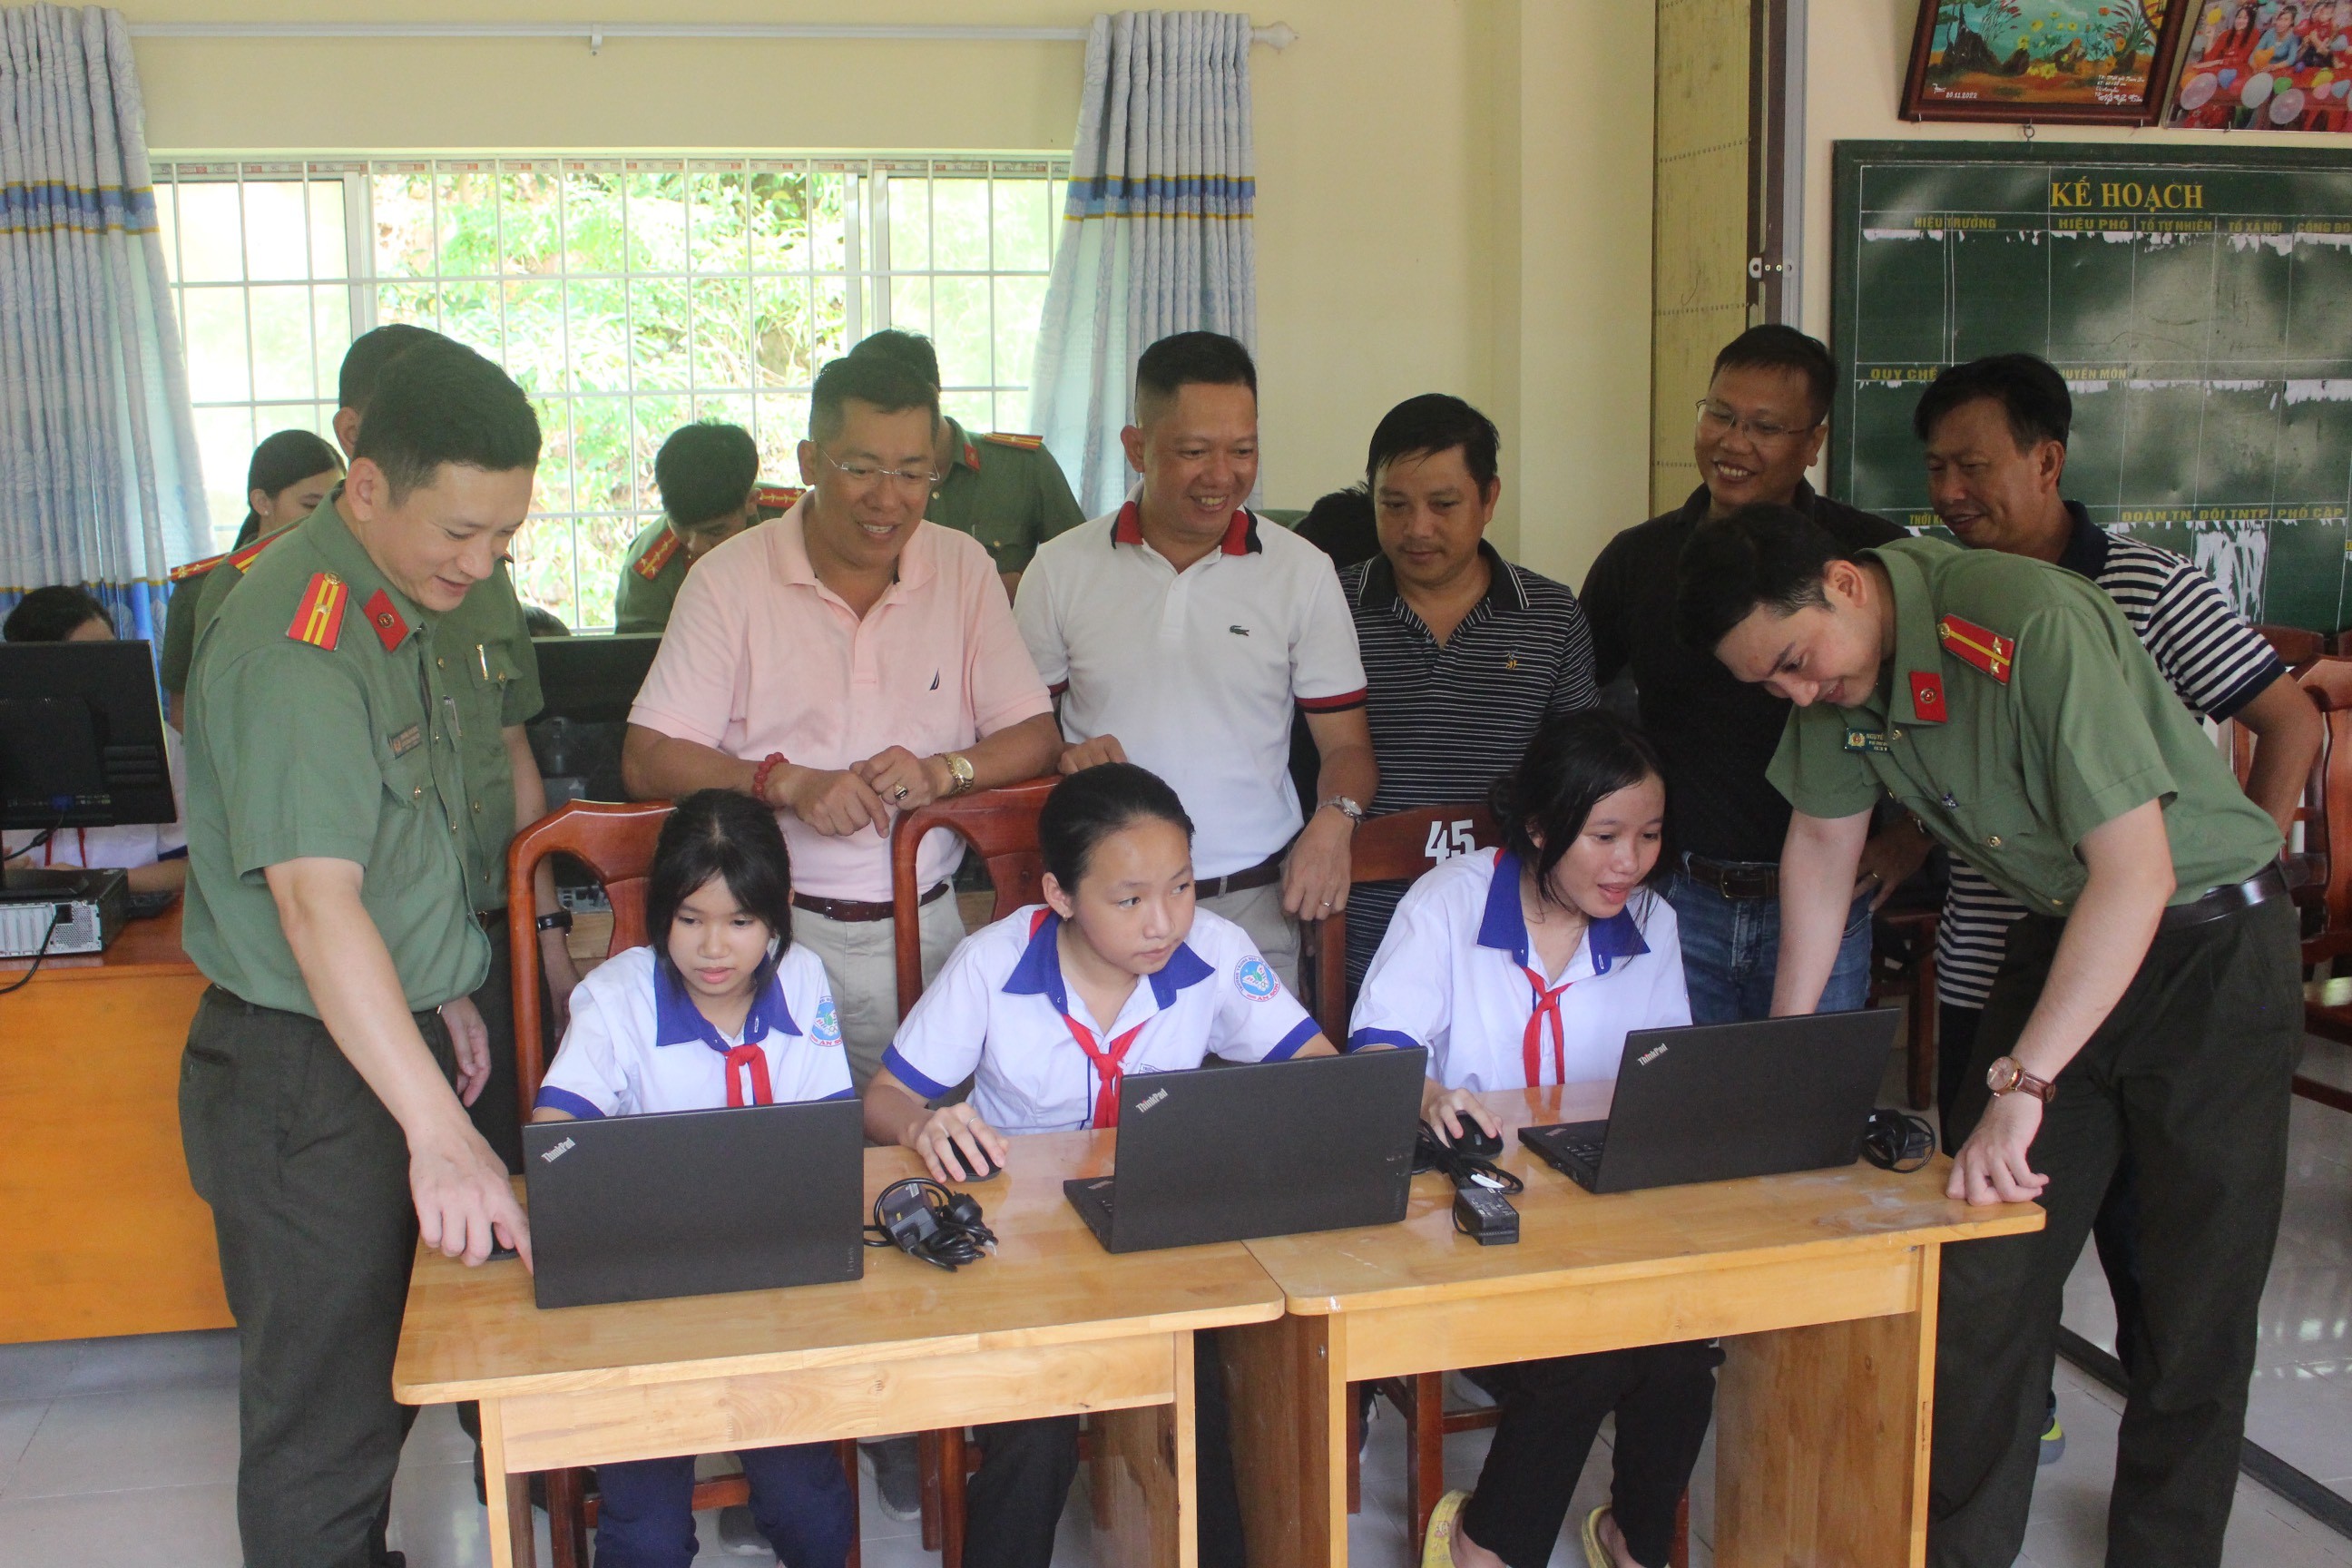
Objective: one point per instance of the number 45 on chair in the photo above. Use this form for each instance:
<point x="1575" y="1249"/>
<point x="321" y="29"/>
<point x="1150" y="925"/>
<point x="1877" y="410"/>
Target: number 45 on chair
<point x="1447" y="839"/>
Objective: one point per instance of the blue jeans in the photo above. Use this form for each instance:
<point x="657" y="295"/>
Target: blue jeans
<point x="1732" y="947"/>
<point x="800" y="1500"/>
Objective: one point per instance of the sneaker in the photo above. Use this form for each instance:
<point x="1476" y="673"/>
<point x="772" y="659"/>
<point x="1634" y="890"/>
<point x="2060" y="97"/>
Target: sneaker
<point x="1437" y="1546"/>
<point x="1595" y="1554"/>
<point x="898" y="1477"/>
<point x="738" y="1535"/>
<point x="2053" y="1439"/>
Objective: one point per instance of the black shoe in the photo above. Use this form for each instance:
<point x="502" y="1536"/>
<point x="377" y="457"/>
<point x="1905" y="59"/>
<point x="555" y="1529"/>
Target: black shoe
<point x="898" y="1477"/>
<point x="739" y="1533"/>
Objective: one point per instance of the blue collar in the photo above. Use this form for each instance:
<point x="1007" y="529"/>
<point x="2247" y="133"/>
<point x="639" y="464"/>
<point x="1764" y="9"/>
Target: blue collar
<point x="1039" y="973"/>
<point x="677" y="1021"/>
<point x="1504" y="927"/>
<point x="2085" y="554"/>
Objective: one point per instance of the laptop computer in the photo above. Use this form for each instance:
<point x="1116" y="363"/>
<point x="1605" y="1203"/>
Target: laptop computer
<point x="1717" y="1101"/>
<point x="636" y="1209"/>
<point x="1224" y="1153"/>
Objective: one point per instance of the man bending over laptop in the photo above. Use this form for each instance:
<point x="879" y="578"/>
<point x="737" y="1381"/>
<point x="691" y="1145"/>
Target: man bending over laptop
<point x="1047" y="1011"/>
<point x="723" y="973"/>
<point x="1552" y="941"/>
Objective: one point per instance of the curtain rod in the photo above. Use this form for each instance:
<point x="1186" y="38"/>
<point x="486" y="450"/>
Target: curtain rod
<point x="1279" y="35"/>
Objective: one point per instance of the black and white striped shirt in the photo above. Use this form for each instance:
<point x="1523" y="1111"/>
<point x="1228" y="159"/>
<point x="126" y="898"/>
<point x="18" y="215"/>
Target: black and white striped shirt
<point x="2215" y="661"/>
<point x="1449" y="720"/>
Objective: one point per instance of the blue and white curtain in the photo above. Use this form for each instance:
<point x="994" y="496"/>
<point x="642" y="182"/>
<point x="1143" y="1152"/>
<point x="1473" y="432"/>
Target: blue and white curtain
<point x="99" y="483"/>
<point x="1156" y="236"/>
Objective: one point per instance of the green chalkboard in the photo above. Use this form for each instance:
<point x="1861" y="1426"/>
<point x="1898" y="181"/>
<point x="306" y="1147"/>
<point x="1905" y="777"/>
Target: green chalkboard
<point x="2199" y="301"/>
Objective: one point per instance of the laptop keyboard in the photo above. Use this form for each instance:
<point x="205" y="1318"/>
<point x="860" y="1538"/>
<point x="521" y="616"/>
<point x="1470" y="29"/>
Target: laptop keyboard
<point x="1584" y="1148"/>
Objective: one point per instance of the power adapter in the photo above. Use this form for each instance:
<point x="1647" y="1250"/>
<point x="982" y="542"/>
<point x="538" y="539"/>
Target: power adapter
<point x="1486" y="1217"/>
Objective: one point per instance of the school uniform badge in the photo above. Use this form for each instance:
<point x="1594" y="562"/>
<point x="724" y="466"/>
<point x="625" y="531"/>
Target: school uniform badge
<point x="826" y="1028"/>
<point x="1255" y="980"/>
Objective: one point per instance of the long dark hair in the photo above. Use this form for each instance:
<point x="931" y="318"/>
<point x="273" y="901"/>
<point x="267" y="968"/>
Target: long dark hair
<point x="1095" y="802"/>
<point x="1575" y="761"/>
<point x="287" y="457"/>
<point x="719" y="832"/>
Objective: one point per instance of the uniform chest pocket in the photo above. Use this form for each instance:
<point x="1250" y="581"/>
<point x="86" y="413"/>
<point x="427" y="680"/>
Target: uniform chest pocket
<point x="404" y="758"/>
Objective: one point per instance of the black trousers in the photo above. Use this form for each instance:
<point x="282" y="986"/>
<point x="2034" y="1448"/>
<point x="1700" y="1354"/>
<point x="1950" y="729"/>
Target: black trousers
<point x="1017" y="1495"/>
<point x="2188" y="1078"/>
<point x="2118" y="1217"/>
<point x="306" y="1175"/>
<point x="1664" y="1396"/>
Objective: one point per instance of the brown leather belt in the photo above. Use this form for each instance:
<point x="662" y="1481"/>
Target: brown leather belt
<point x="1734" y="878"/>
<point x="2259" y="889"/>
<point x="1264" y="874"/>
<point x="850" y="912"/>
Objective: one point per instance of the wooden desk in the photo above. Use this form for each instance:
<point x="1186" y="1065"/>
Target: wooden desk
<point x="1822" y="1286"/>
<point x="102" y="1231"/>
<point x="1051" y="1325"/>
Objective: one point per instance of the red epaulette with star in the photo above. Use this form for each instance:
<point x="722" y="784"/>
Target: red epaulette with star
<point x="776" y="500"/>
<point x="319" y="615"/>
<point x="649" y="565"/>
<point x="1027" y="443"/>
<point x="195" y="568"/>
<point x="1988" y="651"/>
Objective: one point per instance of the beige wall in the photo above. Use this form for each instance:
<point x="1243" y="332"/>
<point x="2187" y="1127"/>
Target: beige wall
<point x="1452" y="195"/>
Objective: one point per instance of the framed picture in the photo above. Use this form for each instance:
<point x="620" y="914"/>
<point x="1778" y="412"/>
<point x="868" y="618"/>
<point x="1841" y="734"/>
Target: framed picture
<point x="2267" y="65"/>
<point x="2052" y="62"/>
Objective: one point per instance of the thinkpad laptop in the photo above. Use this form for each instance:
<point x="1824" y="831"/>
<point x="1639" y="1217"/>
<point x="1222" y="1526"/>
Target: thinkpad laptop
<point x="635" y="1208"/>
<point x="1717" y="1101"/>
<point x="1226" y="1153"/>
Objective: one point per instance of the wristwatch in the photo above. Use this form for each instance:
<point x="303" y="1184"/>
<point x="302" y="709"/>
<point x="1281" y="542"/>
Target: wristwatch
<point x="557" y="920"/>
<point x="960" y="770"/>
<point x="2006" y="1076"/>
<point x="1348" y="808"/>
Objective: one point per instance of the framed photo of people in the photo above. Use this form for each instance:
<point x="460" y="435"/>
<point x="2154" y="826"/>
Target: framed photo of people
<point x="2054" y="62"/>
<point x="2267" y="65"/>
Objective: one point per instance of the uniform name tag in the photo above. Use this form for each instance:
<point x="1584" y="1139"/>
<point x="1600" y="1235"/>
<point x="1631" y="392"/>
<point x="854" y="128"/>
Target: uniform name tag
<point x="1866" y="741"/>
<point x="407" y="741"/>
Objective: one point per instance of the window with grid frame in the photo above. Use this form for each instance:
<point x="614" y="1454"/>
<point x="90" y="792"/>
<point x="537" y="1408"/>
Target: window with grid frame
<point x="627" y="295"/>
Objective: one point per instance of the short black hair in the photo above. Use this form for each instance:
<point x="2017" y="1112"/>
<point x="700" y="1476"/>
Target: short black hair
<point x="1095" y="802"/>
<point x="1776" y="347"/>
<point x="883" y="380"/>
<point x="52" y="614"/>
<point x="1432" y="423"/>
<point x="725" y="834"/>
<point x="364" y="361"/>
<point x="1573" y="762"/>
<point x="451" y="405"/>
<point x="543" y="623"/>
<point x="1209" y="359"/>
<point x="1343" y="526"/>
<point x="705" y="472"/>
<point x="2029" y="388"/>
<point x="1764" y="555"/>
<point x="912" y="350"/>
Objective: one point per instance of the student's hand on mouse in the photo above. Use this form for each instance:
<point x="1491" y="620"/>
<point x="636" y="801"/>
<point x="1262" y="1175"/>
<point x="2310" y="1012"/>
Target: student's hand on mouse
<point x="904" y="781"/>
<point x="835" y="804"/>
<point x="470" y="1039"/>
<point x="957" y="1145"/>
<point x="1092" y="754"/>
<point x="1447" y="1109"/>
<point x="465" y="1203"/>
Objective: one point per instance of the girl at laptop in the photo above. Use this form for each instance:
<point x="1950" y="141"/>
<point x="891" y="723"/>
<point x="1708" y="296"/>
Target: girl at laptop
<point x="1045" y="1012"/>
<point x="1528" y="966"/>
<point x="721" y="1009"/>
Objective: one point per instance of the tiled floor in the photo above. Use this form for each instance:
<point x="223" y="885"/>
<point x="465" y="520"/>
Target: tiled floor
<point x="122" y="1454"/>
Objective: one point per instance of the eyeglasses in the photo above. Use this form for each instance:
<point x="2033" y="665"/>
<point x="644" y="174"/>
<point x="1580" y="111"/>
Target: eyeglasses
<point x="863" y="473"/>
<point x="1714" y="418"/>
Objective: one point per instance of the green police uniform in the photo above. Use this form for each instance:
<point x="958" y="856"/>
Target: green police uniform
<point x="651" y="575"/>
<point x="319" y="725"/>
<point x="1005" y="491"/>
<point x="190" y="611"/>
<point x="2017" y="713"/>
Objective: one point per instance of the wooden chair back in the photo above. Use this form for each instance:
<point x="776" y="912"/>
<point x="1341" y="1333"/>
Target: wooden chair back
<point x="2295" y="646"/>
<point x="2325" y="812"/>
<point x="1001" y="825"/>
<point x="616" y="842"/>
<point x="1396" y="848"/>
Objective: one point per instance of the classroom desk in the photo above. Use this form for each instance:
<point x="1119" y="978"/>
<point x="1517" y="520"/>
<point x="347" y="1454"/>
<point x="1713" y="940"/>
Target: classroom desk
<point x="1822" y="1286"/>
<point x="1051" y="1325"/>
<point x="97" y="1220"/>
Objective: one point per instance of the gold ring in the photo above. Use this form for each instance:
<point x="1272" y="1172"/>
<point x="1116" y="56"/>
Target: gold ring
<point x="898" y="793"/>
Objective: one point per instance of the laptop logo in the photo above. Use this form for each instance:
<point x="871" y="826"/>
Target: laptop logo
<point x="1149" y="1101"/>
<point x="1653" y="1054"/>
<point x="559" y="1150"/>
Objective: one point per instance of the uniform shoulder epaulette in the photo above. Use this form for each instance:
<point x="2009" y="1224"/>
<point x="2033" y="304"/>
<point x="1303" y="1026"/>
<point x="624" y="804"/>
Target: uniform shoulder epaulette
<point x="649" y="565"/>
<point x="244" y="558"/>
<point x="196" y="568"/>
<point x="776" y="497"/>
<point x="1027" y="443"/>
<point x="1986" y="651"/>
<point x="318" y="613"/>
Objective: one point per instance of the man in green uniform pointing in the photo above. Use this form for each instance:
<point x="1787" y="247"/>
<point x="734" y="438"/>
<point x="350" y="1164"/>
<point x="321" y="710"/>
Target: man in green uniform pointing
<point x="1004" y="490"/>
<point x="322" y="1097"/>
<point x="2150" y="1006"/>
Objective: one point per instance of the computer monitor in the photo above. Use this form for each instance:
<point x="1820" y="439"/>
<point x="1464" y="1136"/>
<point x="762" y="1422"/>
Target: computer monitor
<point x="592" y="679"/>
<point x="81" y="736"/>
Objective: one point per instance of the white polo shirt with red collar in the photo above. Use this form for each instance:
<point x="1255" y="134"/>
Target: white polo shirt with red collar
<point x="1196" y="672"/>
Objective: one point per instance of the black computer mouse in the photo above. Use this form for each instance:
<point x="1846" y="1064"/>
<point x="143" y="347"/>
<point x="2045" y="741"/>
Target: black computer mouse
<point x="979" y="1166"/>
<point x="1476" y="1141"/>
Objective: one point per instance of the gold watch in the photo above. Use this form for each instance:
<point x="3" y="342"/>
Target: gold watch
<point x="2007" y="1075"/>
<point x="960" y="771"/>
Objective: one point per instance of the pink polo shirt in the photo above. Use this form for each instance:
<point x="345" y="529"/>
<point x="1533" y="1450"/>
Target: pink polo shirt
<point x="759" y="657"/>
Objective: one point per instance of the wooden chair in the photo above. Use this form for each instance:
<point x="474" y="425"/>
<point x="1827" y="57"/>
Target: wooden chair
<point x="2326" y="891"/>
<point x="616" y="844"/>
<point x="1906" y="969"/>
<point x="1001" y="825"/>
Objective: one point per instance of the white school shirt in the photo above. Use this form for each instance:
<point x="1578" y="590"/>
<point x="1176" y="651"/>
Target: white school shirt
<point x="1197" y="672"/>
<point x="1453" y="974"/>
<point x="122" y="848"/>
<point x="999" y="1008"/>
<point x="638" y="1043"/>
